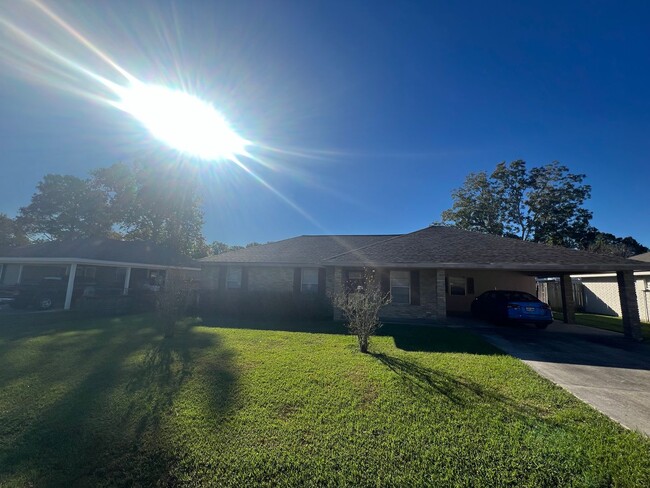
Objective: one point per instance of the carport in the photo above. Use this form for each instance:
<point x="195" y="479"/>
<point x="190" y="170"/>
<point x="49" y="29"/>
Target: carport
<point x="448" y="267"/>
<point x="626" y="292"/>
<point x="122" y="265"/>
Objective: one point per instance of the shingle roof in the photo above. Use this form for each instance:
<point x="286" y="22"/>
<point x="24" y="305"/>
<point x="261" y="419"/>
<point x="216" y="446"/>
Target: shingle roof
<point x="645" y="257"/>
<point x="136" y="252"/>
<point x="449" y="247"/>
<point x="297" y="250"/>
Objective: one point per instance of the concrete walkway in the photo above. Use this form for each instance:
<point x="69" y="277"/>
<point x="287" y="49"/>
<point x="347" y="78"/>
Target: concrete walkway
<point x="600" y="367"/>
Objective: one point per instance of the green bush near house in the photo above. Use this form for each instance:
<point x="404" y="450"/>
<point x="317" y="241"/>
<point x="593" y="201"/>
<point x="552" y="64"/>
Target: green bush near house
<point x="110" y="402"/>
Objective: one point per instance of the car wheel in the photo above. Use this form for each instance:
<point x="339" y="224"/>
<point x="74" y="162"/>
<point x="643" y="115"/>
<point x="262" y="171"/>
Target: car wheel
<point x="45" y="303"/>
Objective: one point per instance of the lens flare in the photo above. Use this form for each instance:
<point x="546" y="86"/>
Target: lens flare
<point x="181" y="121"/>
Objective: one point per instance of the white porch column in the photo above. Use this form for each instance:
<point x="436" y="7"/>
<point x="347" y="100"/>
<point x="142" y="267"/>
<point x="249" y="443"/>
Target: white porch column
<point x="20" y="274"/>
<point x="68" y="293"/>
<point x="127" y="281"/>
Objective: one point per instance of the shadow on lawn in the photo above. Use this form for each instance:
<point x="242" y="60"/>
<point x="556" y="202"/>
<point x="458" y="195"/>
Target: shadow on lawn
<point x="427" y="384"/>
<point x="114" y="424"/>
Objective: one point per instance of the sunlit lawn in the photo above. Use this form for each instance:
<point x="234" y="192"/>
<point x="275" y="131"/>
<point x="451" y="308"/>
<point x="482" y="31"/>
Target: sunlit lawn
<point x="605" y="322"/>
<point x="110" y="402"/>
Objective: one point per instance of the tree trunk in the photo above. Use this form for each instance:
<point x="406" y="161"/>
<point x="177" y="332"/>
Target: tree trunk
<point x="363" y="343"/>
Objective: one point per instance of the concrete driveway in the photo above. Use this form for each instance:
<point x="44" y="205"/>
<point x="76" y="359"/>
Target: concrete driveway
<point x="600" y="367"/>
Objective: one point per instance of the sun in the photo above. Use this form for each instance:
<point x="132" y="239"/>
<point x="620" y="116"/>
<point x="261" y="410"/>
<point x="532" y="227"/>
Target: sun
<point x="182" y="121"/>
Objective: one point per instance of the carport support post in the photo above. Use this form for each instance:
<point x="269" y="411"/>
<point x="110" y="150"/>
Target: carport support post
<point x="629" y="305"/>
<point x="127" y="281"/>
<point x="568" y="303"/>
<point x="68" y="293"/>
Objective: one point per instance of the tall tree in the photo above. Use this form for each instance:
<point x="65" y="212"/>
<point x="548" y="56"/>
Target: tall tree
<point x="155" y="201"/>
<point x="606" y="243"/>
<point x="11" y="234"/>
<point x="543" y="204"/>
<point x="65" y="207"/>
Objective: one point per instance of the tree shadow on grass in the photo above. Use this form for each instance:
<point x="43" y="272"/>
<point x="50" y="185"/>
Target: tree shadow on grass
<point x="437" y="339"/>
<point x="427" y="385"/>
<point x="114" y="425"/>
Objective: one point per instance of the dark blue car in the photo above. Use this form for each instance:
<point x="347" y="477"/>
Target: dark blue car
<point x="507" y="306"/>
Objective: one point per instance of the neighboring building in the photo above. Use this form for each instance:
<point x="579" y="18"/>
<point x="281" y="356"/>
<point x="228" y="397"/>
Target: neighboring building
<point x="429" y="273"/>
<point x="86" y="265"/>
<point x="600" y="292"/>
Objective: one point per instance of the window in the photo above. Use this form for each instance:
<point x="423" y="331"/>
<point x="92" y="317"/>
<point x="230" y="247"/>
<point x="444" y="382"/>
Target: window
<point x="461" y="286"/>
<point x="309" y="280"/>
<point x="457" y="286"/>
<point x="400" y="287"/>
<point x="233" y="278"/>
<point x="356" y="280"/>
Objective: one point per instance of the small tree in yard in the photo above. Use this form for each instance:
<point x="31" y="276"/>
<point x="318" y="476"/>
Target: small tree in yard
<point x="172" y="302"/>
<point x="360" y="304"/>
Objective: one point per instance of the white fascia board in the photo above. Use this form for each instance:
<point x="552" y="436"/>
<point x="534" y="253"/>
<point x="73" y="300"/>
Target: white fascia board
<point x="205" y="264"/>
<point x="608" y="275"/>
<point x="91" y="262"/>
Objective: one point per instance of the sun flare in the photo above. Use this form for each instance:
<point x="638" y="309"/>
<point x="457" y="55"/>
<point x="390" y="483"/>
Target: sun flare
<point x="182" y="121"/>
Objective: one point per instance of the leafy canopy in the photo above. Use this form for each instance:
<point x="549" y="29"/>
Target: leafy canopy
<point x="65" y="207"/>
<point x="541" y="204"/>
<point x="11" y="234"/>
<point x="156" y="202"/>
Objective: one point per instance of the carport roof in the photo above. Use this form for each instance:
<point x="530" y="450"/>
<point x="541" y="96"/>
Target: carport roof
<point x="99" y="250"/>
<point x="452" y="248"/>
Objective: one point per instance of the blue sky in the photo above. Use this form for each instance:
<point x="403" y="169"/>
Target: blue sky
<point x="377" y="110"/>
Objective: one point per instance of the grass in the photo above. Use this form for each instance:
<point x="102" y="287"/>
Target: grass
<point x="110" y="402"/>
<point x="606" y="322"/>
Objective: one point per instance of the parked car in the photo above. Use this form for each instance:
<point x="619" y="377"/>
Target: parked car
<point x="46" y="294"/>
<point x="501" y="306"/>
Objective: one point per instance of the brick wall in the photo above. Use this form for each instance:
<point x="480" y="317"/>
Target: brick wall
<point x="270" y="279"/>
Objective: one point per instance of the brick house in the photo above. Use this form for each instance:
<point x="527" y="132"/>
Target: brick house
<point x="429" y="273"/>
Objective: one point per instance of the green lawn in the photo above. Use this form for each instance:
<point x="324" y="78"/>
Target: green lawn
<point x="606" y="322"/>
<point x="110" y="402"/>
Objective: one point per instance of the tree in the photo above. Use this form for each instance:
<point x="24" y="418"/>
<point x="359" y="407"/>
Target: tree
<point x="172" y="302"/>
<point x="218" y="247"/>
<point x="605" y="243"/>
<point x="11" y="234"/>
<point x="157" y="202"/>
<point x="360" y="307"/>
<point x="543" y="204"/>
<point x="65" y="207"/>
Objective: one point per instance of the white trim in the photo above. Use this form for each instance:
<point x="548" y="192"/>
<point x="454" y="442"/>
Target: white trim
<point x="97" y="262"/>
<point x="608" y="275"/>
<point x="70" y="289"/>
<point x="127" y="281"/>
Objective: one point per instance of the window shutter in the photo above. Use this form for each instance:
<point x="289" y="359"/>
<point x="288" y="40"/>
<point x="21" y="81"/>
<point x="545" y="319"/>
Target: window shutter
<point x="222" y="270"/>
<point x="244" y="279"/>
<point x="296" y="281"/>
<point x="470" y="286"/>
<point x="415" y="287"/>
<point x="384" y="280"/>
<point x="321" y="281"/>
